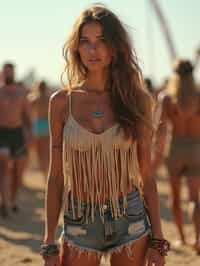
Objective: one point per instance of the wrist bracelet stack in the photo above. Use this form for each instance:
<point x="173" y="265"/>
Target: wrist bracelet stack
<point x="49" y="250"/>
<point x="161" y="245"/>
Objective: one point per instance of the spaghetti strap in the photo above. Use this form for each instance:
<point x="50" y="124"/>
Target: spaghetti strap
<point x="70" y="103"/>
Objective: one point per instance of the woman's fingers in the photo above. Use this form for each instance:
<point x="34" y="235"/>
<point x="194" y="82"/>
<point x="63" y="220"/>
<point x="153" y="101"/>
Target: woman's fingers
<point x="154" y="258"/>
<point x="52" y="261"/>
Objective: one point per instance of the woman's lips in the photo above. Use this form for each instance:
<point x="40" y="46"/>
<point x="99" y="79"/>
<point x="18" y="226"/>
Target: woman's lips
<point x="94" y="60"/>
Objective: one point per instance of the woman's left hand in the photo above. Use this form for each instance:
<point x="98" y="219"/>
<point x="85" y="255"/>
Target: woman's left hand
<point x="154" y="258"/>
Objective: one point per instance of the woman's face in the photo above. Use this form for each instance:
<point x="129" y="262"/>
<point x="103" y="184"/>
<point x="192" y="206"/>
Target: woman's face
<point x="93" y="50"/>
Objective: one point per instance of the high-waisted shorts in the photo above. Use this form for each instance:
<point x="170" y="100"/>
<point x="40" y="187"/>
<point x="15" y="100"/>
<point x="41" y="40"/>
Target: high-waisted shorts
<point x="112" y="234"/>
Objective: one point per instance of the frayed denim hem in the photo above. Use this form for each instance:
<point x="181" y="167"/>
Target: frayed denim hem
<point x="103" y="256"/>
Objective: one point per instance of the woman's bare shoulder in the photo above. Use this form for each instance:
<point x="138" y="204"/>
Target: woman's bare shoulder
<point x="63" y="94"/>
<point x="59" y="97"/>
<point x="59" y="102"/>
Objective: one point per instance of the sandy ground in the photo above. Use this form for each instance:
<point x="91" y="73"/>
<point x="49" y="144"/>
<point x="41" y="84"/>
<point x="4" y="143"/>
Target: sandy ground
<point x="21" y="234"/>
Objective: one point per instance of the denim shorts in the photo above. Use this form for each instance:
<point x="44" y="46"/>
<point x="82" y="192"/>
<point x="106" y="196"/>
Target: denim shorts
<point x="112" y="234"/>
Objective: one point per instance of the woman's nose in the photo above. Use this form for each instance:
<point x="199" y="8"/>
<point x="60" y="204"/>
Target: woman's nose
<point x="92" y="47"/>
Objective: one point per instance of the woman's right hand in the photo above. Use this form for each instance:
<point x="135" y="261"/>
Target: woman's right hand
<point x="52" y="260"/>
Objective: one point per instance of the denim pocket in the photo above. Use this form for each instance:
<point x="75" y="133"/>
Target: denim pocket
<point x="135" y="207"/>
<point x="75" y="218"/>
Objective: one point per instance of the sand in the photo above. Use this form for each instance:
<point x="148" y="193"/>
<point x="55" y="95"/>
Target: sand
<point x="21" y="234"/>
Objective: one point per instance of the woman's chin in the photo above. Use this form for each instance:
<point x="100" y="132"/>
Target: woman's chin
<point x="97" y="68"/>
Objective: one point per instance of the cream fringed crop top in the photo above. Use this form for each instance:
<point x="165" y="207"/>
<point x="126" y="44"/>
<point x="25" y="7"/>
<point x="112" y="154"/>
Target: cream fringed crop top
<point x="102" y="166"/>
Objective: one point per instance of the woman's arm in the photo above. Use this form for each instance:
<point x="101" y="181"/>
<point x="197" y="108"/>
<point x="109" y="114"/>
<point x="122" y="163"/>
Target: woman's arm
<point x="150" y="187"/>
<point x="149" y="183"/>
<point x="55" y="181"/>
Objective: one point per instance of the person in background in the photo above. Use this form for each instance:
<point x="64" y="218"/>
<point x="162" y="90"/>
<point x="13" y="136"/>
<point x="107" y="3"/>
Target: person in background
<point x="39" y="109"/>
<point x="182" y="109"/>
<point x="161" y="128"/>
<point x="14" y="121"/>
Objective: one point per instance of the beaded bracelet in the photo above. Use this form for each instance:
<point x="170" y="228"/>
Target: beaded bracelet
<point x="161" y="245"/>
<point x="49" y="249"/>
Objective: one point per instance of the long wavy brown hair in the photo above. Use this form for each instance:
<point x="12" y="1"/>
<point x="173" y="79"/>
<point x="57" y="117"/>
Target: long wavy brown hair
<point x="182" y="87"/>
<point x="131" y="103"/>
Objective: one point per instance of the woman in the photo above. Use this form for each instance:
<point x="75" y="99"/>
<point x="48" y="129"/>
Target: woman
<point x="98" y="126"/>
<point x="39" y="104"/>
<point x="182" y="109"/>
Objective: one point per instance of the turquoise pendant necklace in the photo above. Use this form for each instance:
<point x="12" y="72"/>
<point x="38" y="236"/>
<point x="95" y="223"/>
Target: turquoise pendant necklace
<point x="98" y="114"/>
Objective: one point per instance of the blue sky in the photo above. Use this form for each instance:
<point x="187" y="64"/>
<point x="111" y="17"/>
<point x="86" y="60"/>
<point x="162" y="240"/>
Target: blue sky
<point x="32" y="33"/>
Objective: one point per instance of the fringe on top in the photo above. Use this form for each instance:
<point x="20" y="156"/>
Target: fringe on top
<point x="102" y="166"/>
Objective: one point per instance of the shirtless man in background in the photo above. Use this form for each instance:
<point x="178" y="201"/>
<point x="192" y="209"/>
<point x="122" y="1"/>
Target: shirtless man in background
<point x="14" y="122"/>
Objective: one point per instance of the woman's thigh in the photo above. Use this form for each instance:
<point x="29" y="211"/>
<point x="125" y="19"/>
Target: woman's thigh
<point x="138" y="257"/>
<point x="71" y="257"/>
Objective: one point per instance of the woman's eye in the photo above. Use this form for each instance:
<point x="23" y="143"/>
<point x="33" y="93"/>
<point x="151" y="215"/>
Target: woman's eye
<point x="102" y="40"/>
<point x="98" y="42"/>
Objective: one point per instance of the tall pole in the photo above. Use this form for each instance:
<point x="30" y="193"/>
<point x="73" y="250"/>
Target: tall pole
<point x="165" y="27"/>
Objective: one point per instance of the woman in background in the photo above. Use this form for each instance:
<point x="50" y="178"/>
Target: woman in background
<point x="182" y="110"/>
<point x="39" y="103"/>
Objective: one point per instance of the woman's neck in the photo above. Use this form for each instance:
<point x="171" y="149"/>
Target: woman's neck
<point x="96" y="82"/>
